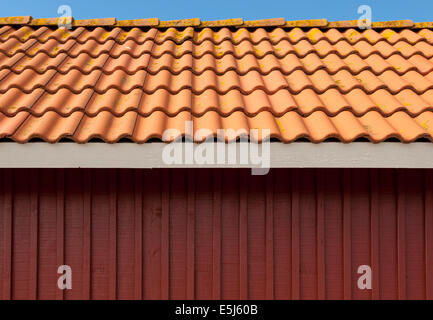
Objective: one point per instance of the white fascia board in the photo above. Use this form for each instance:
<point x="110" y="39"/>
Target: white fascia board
<point x="149" y="155"/>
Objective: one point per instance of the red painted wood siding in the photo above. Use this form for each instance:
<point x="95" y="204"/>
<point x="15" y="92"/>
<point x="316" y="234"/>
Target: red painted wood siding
<point x="216" y="234"/>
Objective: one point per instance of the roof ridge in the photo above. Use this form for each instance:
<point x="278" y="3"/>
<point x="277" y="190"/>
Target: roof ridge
<point x="196" y="22"/>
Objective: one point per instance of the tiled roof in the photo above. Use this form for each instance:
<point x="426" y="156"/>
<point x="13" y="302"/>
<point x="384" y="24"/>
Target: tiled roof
<point x="309" y="79"/>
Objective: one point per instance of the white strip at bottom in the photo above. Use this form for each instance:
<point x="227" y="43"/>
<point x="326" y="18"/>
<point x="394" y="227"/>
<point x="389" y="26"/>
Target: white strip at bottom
<point x="278" y="155"/>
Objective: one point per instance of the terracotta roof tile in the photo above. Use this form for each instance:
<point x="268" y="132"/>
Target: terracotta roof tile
<point x="111" y="79"/>
<point x="307" y="23"/>
<point x="222" y="23"/>
<point x="16" y="20"/>
<point x="180" y="23"/>
<point x="265" y="23"/>
<point x="94" y="22"/>
<point x="152" y="22"/>
<point x="44" y="22"/>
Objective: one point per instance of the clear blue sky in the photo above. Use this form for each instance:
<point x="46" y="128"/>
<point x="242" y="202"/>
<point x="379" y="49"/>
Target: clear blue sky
<point x="417" y="10"/>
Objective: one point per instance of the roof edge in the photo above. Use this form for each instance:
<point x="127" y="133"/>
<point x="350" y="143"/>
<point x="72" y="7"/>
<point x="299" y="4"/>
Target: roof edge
<point x="280" y="155"/>
<point x="196" y="22"/>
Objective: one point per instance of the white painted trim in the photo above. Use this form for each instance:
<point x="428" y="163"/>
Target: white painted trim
<point x="149" y="155"/>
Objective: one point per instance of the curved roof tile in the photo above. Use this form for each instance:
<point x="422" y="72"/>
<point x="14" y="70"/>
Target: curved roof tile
<point x="134" y="79"/>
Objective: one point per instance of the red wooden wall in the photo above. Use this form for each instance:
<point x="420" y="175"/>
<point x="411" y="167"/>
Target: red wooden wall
<point x="216" y="234"/>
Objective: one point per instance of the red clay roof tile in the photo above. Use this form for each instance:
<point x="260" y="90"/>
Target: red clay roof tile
<point x="265" y="23"/>
<point x="152" y="22"/>
<point x="16" y="20"/>
<point x="222" y="23"/>
<point x="303" y="79"/>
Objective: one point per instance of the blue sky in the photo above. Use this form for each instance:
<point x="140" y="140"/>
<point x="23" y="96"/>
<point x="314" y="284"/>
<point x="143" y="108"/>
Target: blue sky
<point x="417" y="10"/>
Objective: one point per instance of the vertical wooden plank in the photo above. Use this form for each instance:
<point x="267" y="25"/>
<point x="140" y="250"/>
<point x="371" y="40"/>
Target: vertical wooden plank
<point x="60" y="224"/>
<point x="282" y="235"/>
<point x="331" y="194"/>
<point x="230" y="251"/>
<point x="347" y="235"/>
<point x="138" y="234"/>
<point x="270" y="236"/>
<point x="6" y="276"/>
<point x="414" y="222"/>
<point x="152" y="234"/>
<point x="428" y="176"/>
<point x="112" y="294"/>
<point x="126" y="269"/>
<point x="308" y="234"/>
<point x="374" y="225"/>
<point x="401" y="234"/>
<point x="321" y="269"/>
<point x="243" y="234"/>
<point x="216" y="235"/>
<point x="361" y="228"/>
<point x="256" y="230"/>
<point x="165" y="235"/>
<point x="296" y="288"/>
<point x="190" y="259"/>
<point x="178" y="249"/>
<point x="87" y="227"/>
<point x="33" y="263"/>
<point x="204" y="234"/>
